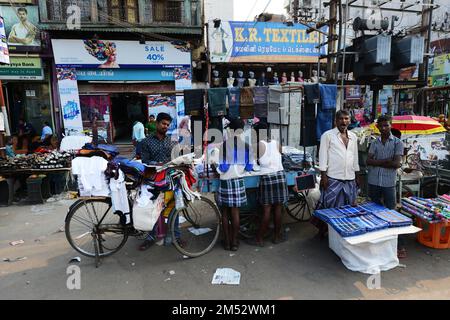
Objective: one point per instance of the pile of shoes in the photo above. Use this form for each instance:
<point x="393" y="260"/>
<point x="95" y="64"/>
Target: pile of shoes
<point x="51" y="160"/>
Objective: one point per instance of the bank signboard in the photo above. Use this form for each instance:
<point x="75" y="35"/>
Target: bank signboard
<point x="268" y="42"/>
<point x="22" y="68"/>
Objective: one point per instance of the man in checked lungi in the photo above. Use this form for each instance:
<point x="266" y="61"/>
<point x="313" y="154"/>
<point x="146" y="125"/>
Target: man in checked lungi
<point x="231" y="194"/>
<point x="338" y="164"/>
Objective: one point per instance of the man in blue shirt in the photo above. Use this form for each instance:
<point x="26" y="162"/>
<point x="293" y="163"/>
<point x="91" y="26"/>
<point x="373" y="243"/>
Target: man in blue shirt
<point x="46" y="131"/>
<point x="385" y="156"/>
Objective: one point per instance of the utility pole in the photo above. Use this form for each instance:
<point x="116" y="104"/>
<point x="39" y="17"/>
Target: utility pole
<point x="295" y="9"/>
<point x="331" y="38"/>
<point x="2" y="138"/>
<point x="425" y="31"/>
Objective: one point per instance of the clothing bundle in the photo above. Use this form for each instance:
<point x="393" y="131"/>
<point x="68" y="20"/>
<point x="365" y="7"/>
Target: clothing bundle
<point x="293" y="158"/>
<point x="432" y="210"/>
<point x="90" y="172"/>
<point x="351" y="221"/>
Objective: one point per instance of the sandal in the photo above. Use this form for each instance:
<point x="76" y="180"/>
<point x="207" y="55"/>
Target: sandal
<point x="226" y="245"/>
<point x="401" y="253"/>
<point x="280" y="239"/>
<point x="235" y="246"/>
<point x="254" y="242"/>
<point x="146" y="244"/>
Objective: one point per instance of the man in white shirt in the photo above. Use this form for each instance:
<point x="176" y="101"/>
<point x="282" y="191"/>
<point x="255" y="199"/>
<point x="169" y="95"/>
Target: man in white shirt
<point x="338" y="164"/>
<point x="137" y="136"/>
<point x="24" y="32"/>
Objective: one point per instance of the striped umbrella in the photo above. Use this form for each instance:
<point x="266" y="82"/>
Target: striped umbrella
<point x="414" y="125"/>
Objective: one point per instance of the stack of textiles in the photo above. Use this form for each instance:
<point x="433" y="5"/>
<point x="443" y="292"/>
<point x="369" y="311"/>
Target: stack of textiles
<point x="394" y="218"/>
<point x="432" y="210"/>
<point x="356" y="220"/>
<point x="295" y="157"/>
<point x="90" y="172"/>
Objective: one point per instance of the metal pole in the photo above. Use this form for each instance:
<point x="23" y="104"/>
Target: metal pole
<point x="343" y="56"/>
<point x="2" y="141"/>
<point x="320" y="41"/>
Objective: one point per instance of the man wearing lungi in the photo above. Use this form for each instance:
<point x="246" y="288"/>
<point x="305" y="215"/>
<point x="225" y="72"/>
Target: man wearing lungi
<point x="338" y="164"/>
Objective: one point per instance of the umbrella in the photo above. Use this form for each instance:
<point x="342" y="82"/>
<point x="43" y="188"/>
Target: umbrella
<point x="414" y="125"/>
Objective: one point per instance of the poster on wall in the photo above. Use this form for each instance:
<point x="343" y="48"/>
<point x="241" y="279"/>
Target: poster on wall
<point x="430" y="147"/>
<point x="70" y="102"/>
<point x="4" y="52"/>
<point x="114" y="54"/>
<point x="268" y="42"/>
<point x="167" y="104"/>
<point x="21" y="26"/>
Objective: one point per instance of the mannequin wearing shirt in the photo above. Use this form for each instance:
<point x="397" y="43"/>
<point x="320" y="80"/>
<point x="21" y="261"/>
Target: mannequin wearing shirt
<point x="240" y="81"/>
<point x="230" y="79"/>
<point x="251" y="79"/>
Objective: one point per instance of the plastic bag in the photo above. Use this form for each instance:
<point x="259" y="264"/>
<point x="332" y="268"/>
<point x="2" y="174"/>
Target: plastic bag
<point x="146" y="214"/>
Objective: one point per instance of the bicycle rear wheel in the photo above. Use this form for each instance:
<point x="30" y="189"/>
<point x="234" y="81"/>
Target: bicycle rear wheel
<point x="92" y="226"/>
<point x="196" y="228"/>
<point x="298" y="207"/>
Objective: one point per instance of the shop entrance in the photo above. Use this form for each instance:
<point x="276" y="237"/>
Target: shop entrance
<point x="126" y="109"/>
<point x="29" y="101"/>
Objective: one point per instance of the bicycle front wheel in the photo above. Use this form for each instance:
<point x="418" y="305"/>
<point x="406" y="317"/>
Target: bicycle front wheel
<point x="196" y="228"/>
<point x="92" y="228"/>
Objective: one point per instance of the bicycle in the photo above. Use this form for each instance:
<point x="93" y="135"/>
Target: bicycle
<point x="93" y="230"/>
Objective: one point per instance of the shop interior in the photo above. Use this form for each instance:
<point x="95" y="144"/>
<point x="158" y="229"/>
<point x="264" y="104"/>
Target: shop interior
<point x="116" y="113"/>
<point x="29" y="101"/>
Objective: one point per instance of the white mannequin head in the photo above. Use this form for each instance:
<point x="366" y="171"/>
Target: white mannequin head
<point x="251" y="74"/>
<point x="230" y="74"/>
<point x="215" y="73"/>
<point x="240" y="74"/>
<point x="322" y="73"/>
<point x="275" y="75"/>
<point x="314" y="73"/>
<point x="300" y="74"/>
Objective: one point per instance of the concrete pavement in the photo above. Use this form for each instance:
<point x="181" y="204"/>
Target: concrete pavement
<point x="301" y="268"/>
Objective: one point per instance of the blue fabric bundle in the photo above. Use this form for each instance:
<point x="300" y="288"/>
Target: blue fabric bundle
<point x="371" y="222"/>
<point x="393" y="218"/>
<point x="348" y="227"/>
<point x="328" y="94"/>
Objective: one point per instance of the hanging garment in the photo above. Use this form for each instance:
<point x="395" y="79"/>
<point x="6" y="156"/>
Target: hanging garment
<point x="193" y="101"/>
<point x="261" y="99"/>
<point x="312" y="93"/>
<point x="324" y="122"/>
<point x="217" y="98"/>
<point x="234" y="97"/>
<point x="247" y="103"/>
<point x="328" y="93"/>
<point x="119" y="197"/>
<point x="308" y="135"/>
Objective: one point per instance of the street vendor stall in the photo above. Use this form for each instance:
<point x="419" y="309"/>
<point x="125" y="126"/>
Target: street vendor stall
<point x="43" y="173"/>
<point x="365" y="236"/>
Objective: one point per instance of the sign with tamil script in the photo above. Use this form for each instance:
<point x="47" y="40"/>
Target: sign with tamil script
<point x="268" y="42"/>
